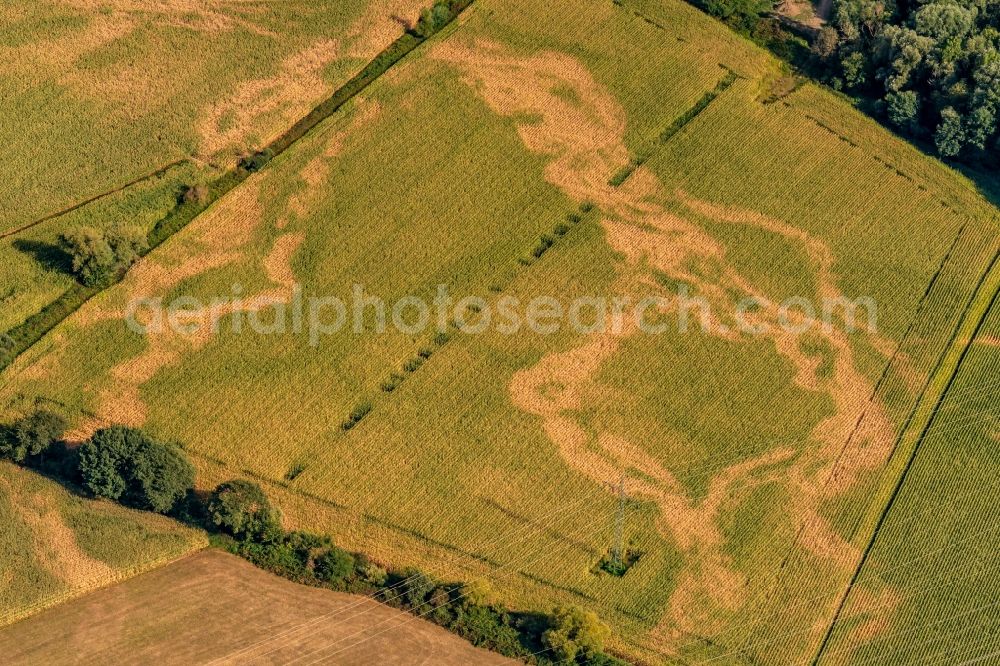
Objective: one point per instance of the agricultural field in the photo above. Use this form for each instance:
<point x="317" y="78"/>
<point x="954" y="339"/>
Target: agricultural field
<point x="134" y="101"/>
<point x="214" y="607"/>
<point x="927" y="589"/>
<point x="634" y="150"/>
<point x="57" y="545"/>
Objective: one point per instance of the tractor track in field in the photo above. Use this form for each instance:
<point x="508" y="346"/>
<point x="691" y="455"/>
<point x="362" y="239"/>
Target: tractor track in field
<point x="161" y="171"/>
<point x="975" y="314"/>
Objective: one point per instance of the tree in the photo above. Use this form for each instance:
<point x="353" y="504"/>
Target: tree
<point x="125" y="464"/>
<point x="161" y="477"/>
<point x="99" y="257"/>
<point x="242" y="509"/>
<point x="980" y="126"/>
<point x="93" y="258"/>
<point x="32" y="435"/>
<point x="334" y="565"/>
<point x="575" y="633"/>
<point x="825" y="43"/>
<point x="741" y="14"/>
<point x="903" y="109"/>
<point x="433" y="18"/>
<point x="416" y="586"/>
<point x="854" y="67"/>
<point x="478" y="592"/>
<point x="949" y="135"/>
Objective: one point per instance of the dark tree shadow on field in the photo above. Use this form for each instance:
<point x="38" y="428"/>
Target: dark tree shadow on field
<point x="50" y="256"/>
<point x="986" y="178"/>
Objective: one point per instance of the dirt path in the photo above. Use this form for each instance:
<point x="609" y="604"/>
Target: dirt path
<point x="214" y="608"/>
<point x="584" y="139"/>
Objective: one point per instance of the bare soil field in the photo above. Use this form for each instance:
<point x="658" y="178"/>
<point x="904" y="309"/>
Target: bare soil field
<point x="215" y="608"/>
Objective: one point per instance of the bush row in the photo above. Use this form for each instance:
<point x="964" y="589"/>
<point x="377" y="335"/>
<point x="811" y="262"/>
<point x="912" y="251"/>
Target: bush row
<point x="128" y="466"/>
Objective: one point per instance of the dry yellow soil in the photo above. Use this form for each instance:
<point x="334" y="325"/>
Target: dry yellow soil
<point x="214" y="608"/>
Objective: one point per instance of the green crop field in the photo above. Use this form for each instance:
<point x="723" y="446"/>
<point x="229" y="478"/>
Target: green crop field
<point x="926" y="591"/>
<point x="632" y="150"/>
<point x="56" y="545"/>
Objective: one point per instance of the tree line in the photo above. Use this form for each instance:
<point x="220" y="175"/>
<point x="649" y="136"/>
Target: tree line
<point x="128" y="466"/>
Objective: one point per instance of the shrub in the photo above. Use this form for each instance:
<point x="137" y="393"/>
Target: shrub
<point x="358" y="413"/>
<point x="391" y="384"/>
<point x="440" y="601"/>
<point x="257" y="161"/>
<point x="196" y="194"/>
<point x="544" y="243"/>
<point x="441" y="338"/>
<point x="561" y="229"/>
<point x="575" y="633"/>
<point x="241" y="509"/>
<point x="433" y="18"/>
<point x="417" y="586"/>
<point x="487" y="627"/>
<point x="124" y="464"/>
<point x="372" y="573"/>
<point x="99" y="258"/>
<point x="334" y="565"/>
<point x="32" y="435"/>
<point x="478" y="592"/>
<point x="425" y="353"/>
<point x="413" y="364"/>
<point x="586" y="207"/>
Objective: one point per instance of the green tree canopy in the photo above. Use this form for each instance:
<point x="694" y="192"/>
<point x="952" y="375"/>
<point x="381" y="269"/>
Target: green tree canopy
<point x="125" y="464"/>
<point x="575" y="634"/>
<point x="31" y="435"/>
<point x="242" y="509"/>
<point x="935" y="65"/>
<point x="98" y="256"/>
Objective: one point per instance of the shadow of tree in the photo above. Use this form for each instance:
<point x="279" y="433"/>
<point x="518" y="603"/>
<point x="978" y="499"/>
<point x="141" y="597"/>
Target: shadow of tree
<point x="50" y="256"/>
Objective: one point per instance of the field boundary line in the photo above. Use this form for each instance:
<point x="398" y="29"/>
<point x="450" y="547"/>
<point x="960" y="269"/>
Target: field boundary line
<point x="678" y="123"/>
<point x="12" y="617"/>
<point x="161" y="171"/>
<point x="977" y="310"/>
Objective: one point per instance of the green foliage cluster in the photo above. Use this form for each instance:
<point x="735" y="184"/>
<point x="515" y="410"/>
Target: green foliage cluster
<point x="934" y="67"/>
<point x="97" y="277"/>
<point x="99" y="258"/>
<point x="117" y="463"/>
<point x="575" y="634"/>
<point x="241" y="509"/>
<point x="742" y="15"/>
<point x="437" y="16"/>
<point x="359" y="412"/>
<point x="127" y="465"/>
<point x="256" y="161"/>
<point x="31" y="436"/>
